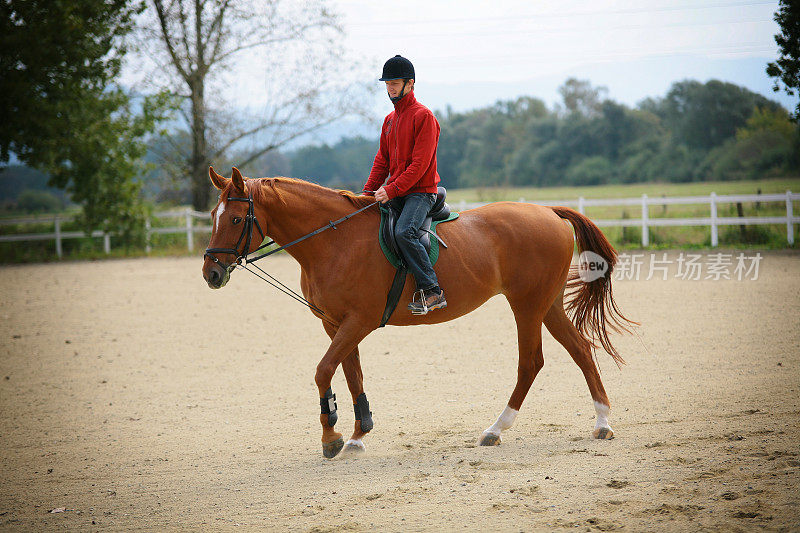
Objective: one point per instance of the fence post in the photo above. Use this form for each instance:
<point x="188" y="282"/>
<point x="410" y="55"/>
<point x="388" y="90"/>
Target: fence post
<point x="580" y="205"/>
<point x="714" y="232"/>
<point x="645" y="216"/>
<point x="189" y="233"/>
<point x="59" y="249"/>
<point x="147" y="226"/>
<point x="789" y="225"/>
<point x="107" y="243"/>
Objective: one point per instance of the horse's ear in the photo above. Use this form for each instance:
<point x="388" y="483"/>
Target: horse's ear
<point x="220" y="182"/>
<point x="238" y="180"/>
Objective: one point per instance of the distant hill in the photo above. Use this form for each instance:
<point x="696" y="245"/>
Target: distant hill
<point x="14" y="179"/>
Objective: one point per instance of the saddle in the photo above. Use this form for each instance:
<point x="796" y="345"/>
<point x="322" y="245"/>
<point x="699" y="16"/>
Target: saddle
<point x="440" y="212"/>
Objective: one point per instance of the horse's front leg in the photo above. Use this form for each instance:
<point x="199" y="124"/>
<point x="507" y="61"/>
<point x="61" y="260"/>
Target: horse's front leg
<point x="344" y="343"/>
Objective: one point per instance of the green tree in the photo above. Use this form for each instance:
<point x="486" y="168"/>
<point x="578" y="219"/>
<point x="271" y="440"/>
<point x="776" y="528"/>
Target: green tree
<point x="346" y="164"/>
<point x="484" y="154"/>
<point x="766" y="146"/>
<point x="593" y="170"/>
<point x="763" y="119"/>
<point x="456" y="129"/>
<point x="315" y="163"/>
<point x="63" y="113"/>
<point x="525" y="165"/>
<point x="581" y="98"/>
<point x="786" y="68"/>
<point x="704" y="115"/>
<point x="355" y="158"/>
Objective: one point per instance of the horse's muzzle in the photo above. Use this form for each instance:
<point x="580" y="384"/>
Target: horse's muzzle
<point x="216" y="276"/>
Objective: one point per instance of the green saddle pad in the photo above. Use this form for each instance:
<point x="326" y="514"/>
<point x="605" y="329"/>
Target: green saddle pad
<point x="433" y="254"/>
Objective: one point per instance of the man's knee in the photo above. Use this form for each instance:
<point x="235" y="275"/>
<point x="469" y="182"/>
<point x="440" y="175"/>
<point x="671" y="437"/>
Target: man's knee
<point x="408" y="234"/>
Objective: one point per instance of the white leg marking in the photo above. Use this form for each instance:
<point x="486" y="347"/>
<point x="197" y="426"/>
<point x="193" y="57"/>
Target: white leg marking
<point x="220" y="210"/>
<point x="602" y="415"/>
<point x="503" y="422"/>
<point x="356" y="443"/>
<point x="602" y="422"/>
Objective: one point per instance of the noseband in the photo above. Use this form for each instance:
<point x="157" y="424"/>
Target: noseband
<point x="250" y="221"/>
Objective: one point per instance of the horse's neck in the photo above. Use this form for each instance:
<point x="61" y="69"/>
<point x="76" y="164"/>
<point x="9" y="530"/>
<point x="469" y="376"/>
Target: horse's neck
<point x="294" y="210"/>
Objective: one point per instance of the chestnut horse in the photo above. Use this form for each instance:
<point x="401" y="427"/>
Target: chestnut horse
<point x="523" y="251"/>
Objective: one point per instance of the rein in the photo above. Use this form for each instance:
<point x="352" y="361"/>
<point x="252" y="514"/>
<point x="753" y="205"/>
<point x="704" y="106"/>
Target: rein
<point x="330" y="224"/>
<point x="242" y="260"/>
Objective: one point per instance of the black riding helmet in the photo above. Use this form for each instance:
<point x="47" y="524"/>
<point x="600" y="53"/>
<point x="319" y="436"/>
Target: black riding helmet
<point x="398" y="68"/>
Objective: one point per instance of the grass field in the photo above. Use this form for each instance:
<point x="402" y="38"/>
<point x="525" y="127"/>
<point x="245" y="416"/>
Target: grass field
<point x="532" y="194"/>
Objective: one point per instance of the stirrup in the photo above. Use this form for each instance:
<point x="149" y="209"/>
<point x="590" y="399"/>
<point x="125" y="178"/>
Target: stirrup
<point x="423" y="304"/>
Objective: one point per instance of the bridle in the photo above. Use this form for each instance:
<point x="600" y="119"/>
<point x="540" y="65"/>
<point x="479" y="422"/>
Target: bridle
<point x="250" y="221"/>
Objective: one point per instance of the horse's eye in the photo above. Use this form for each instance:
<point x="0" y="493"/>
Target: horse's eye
<point x="236" y="220"/>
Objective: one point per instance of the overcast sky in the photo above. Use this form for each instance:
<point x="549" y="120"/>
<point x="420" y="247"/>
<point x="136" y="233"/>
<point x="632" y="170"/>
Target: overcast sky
<point x="471" y="40"/>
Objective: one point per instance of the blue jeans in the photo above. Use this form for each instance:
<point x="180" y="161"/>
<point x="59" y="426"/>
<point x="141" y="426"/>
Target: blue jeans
<point x="413" y="210"/>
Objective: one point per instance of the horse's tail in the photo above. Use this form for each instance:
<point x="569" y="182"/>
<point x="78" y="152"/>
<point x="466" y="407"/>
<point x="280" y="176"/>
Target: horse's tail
<point x="591" y="303"/>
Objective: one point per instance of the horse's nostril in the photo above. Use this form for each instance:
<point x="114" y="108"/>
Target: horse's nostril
<point x="213" y="276"/>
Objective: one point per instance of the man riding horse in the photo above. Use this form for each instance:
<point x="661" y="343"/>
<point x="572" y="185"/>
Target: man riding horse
<point x="522" y="251"/>
<point x="407" y="155"/>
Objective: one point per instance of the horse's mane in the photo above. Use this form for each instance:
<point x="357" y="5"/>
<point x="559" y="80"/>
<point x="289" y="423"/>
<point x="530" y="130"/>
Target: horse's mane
<point x="276" y="183"/>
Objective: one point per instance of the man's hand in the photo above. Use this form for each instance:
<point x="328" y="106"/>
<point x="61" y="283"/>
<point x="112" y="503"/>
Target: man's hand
<point x="381" y="196"/>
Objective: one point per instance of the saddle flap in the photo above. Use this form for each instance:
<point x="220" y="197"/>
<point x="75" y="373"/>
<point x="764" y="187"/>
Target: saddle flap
<point x="387" y="228"/>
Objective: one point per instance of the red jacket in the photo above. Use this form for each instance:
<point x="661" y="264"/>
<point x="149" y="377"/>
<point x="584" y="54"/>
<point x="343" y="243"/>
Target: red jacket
<point x="407" y="153"/>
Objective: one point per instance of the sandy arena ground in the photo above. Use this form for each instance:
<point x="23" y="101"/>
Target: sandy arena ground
<point x="134" y="397"/>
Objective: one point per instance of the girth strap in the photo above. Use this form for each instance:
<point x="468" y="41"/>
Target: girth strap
<point x="393" y="297"/>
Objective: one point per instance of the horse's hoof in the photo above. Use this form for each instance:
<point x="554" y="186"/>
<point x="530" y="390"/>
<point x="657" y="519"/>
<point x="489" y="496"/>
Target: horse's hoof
<point x="332" y="449"/>
<point x="605" y="433"/>
<point x="354" y="447"/>
<point x="489" y="439"/>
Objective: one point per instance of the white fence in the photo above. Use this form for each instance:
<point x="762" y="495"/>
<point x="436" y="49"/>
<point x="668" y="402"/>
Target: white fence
<point x="644" y="202"/>
<point x="59" y="236"/>
<point x="714" y="221"/>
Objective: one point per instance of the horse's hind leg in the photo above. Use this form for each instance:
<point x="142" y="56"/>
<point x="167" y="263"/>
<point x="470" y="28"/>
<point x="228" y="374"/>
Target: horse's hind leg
<point x="531" y="361"/>
<point x="564" y="331"/>
<point x="345" y="340"/>
<point x="355" y="382"/>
